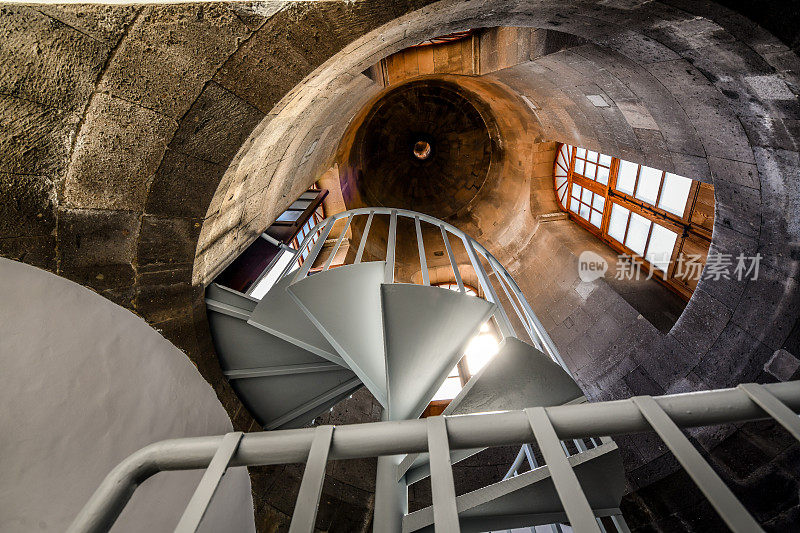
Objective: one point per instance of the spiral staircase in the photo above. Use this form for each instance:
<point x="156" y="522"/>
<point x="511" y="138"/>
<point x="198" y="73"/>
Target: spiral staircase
<point x="316" y="337"/>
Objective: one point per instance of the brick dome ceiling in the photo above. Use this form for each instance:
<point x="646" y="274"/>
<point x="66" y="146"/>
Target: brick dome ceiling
<point x="429" y="144"/>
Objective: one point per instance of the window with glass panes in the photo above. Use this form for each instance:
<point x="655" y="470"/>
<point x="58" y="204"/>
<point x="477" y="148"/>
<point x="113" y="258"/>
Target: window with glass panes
<point x="639" y="210"/>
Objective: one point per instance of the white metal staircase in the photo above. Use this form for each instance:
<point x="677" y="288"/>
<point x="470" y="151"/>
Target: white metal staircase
<point x="316" y="335"/>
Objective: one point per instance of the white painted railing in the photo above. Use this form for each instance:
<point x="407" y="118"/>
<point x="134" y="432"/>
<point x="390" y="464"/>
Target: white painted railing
<point x="438" y="435"/>
<point x="515" y="300"/>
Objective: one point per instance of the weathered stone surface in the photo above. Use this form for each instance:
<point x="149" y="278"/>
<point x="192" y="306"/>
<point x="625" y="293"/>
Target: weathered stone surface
<point x="215" y="126"/>
<point x="769" y="307"/>
<point x="35" y="138"/>
<point x="167" y="241"/>
<point x="783" y="365"/>
<point x="261" y="79"/>
<point x="105" y="23"/>
<point x="46" y="61"/>
<point x="27" y="206"/>
<point x="118" y="149"/>
<point x="37" y="251"/>
<point x="96" y="249"/>
<point x="183" y="186"/>
<point x="170" y="53"/>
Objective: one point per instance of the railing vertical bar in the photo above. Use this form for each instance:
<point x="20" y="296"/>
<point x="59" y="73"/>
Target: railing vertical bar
<point x="198" y="505"/>
<point x="572" y="497"/>
<point x="719" y="495"/>
<point x="532" y="462"/>
<point x="506" y="329"/>
<point x="445" y="512"/>
<point x="423" y="261"/>
<point x="773" y="407"/>
<point x="538" y="328"/>
<point x="516" y="464"/>
<point x="364" y="238"/>
<point x="600" y="524"/>
<point x="390" y="248"/>
<point x="305" y="508"/>
<point x="522" y="317"/>
<point x="312" y="256"/>
<point x="338" y="243"/>
<point x="580" y="445"/>
<point x="452" y="257"/>
<point x="620" y="523"/>
<point x="564" y="447"/>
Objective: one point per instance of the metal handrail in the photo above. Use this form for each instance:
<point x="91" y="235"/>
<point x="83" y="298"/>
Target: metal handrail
<point x="315" y="446"/>
<point x="519" y="305"/>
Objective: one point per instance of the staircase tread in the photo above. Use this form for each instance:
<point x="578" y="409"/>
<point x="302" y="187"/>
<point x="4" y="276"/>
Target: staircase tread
<point x="519" y="376"/>
<point x="426" y="330"/>
<point x="278" y="314"/>
<point x="334" y="301"/>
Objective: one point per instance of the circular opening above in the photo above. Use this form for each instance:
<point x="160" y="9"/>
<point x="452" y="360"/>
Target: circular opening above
<point x="422" y="150"/>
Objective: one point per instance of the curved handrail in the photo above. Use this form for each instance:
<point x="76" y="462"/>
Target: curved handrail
<point x="514" y="295"/>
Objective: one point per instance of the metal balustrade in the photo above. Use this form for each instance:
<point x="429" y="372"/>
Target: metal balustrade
<point x="438" y="435"/>
<point x="515" y="300"/>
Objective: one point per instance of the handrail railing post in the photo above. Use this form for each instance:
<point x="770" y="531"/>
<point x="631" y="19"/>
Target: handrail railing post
<point x="198" y="505"/>
<point x="452" y="257"/>
<point x="305" y="508"/>
<point x="445" y="512"/>
<point x="506" y="329"/>
<point x="338" y="243"/>
<point x="423" y="261"/>
<point x="390" y="247"/>
<point x="569" y="490"/>
<point x="719" y="495"/>
<point x="364" y="236"/>
<point x="312" y="256"/>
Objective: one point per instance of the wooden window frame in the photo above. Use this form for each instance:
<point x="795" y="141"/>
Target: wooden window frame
<point x="681" y="225"/>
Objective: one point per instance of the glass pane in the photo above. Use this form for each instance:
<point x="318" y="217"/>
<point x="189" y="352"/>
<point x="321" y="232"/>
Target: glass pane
<point x="574" y="205"/>
<point x="649" y="181"/>
<point x="562" y="194"/>
<point x="576" y="191"/>
<point x="627" y="176"/>
<point x="560" y="171"/>
<point x="638" y="229"/>
<point x="590" y="171"/>
<point x="598" y="202"/>
<point x="584" y="211"/>
<point x="309" y="195"/>
<point x="560" y="181"/>
<point x="597" y="218"/>
<point x="266" y="283"/>
<point x="581" y="152"/>
<point x="605" y="160"/>
<point x="591" y="156"/>
<point x="449" y="389"/>
<point x="602" y="175"/>
<point x="300" y="204"/>
<point x="659" y="251"/>
<point x="587" y="196"/>
<point x="674" y="194"/>
<point x="579" y="166"/>
<point x="618" y="222"/>
<point x="289" y="216"/>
